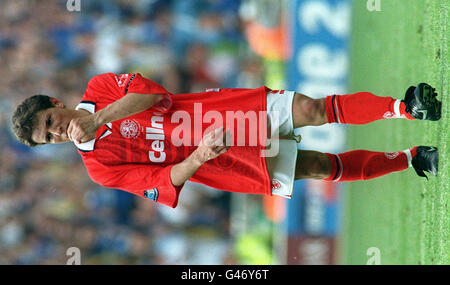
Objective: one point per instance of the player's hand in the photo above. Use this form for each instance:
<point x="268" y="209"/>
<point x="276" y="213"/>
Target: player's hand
<point x="82" y="129"/>
<point x="212" y="145"/>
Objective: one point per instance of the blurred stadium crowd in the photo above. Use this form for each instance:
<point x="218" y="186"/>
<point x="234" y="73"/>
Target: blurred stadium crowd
<point x="47" y="202"/>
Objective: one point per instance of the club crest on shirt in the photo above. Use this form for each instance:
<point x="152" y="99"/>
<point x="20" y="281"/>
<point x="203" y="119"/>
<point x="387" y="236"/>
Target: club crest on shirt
<point x="121" y="79"/>
<point x="130" y="129"/>
<point x="152" y="194"/>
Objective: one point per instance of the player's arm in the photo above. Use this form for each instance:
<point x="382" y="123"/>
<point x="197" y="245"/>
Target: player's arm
<point x="83" y="129"/>
<point x="211" y="146"/>
<point x="131" y="104"/>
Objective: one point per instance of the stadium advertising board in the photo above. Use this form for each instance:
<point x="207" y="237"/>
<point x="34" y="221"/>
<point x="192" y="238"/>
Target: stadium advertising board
<point x="318" y="67"/>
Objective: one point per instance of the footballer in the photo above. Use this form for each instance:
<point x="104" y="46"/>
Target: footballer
<point x="134" y="135"/>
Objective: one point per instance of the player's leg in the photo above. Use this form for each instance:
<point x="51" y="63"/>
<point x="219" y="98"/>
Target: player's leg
<point x="307" y="111"/>
<point x="364" y="107"/>
<point x="363" y="164"/>
<point x="312" y="165"/>
<point x="359" y="108"/>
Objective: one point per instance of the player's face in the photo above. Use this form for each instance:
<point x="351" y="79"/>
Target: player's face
<point x="50" y="125"/>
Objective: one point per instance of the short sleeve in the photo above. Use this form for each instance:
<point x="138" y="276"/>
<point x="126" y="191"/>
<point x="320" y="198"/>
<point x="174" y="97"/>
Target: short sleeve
<point x="141" y="85"/>
<point x="149" y="181"/>
<point x="109" y="87"/>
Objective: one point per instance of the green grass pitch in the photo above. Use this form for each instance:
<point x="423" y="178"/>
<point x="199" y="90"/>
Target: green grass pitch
<point x="401" y="214"/>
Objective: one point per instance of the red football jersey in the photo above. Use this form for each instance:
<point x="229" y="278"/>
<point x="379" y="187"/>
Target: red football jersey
<point x="136" y="153"/>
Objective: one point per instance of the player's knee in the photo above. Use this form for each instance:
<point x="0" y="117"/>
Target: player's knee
<point x="309" y="111"/>
<point x="321" y="166"/>
<point x="313" y="165"/>
<point x="317" y="111"/>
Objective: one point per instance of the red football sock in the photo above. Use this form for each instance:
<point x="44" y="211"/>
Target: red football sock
<point x="362" y="108"/>
<point x="363" y="164"/>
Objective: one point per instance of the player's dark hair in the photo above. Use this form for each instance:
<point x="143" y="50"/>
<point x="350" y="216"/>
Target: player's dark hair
<point x="24" y="117"/>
